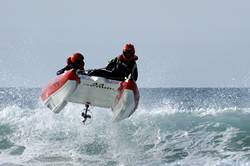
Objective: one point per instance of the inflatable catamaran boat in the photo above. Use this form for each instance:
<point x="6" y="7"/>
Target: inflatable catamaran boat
<point x="121" y="96"/>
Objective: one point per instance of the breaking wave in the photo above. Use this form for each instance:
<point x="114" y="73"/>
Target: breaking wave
<point x="175" y="126"/>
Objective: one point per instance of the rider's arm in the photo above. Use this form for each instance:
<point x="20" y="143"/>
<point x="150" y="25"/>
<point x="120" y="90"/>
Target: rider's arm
<point x="68" y="67"/>
<point x="111" y="64"/>
<point x="135" y="74"/>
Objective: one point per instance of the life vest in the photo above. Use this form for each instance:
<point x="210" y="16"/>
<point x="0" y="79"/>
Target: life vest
<point x="122" y="58"/>
<point x="124" y="66"/>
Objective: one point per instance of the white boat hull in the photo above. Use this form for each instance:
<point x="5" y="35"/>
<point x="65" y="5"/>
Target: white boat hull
<point x="121" y="97"/>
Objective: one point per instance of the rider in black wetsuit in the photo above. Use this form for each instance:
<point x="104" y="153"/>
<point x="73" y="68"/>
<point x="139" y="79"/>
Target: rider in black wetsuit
<point x="75" y="61"/>
<point x="121" y="66"/>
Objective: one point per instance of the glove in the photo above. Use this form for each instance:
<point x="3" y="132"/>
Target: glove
<point x="60" y="72"/>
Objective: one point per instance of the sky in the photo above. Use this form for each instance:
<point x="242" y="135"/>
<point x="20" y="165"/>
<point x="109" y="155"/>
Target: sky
<point x="180" y="43"/>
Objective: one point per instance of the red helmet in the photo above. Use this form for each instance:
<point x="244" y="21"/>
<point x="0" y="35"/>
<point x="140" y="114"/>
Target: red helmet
<point x="129" y="49"/>
<point x="76" y="58"/>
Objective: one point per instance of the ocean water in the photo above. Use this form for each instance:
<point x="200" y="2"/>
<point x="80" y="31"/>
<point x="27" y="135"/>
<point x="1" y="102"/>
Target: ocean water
<point x="173" y="126"/>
